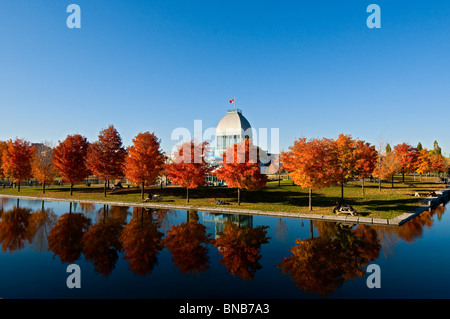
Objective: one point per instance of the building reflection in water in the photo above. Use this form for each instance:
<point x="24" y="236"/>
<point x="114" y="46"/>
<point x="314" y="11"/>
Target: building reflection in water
<point x="219" y="221"/>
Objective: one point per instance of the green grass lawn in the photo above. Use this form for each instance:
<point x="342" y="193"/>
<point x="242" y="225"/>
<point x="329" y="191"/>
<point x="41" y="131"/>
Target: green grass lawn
<point x="387" y="203"/>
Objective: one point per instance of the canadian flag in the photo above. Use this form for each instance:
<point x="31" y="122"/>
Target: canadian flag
<point x="232" y="100"/>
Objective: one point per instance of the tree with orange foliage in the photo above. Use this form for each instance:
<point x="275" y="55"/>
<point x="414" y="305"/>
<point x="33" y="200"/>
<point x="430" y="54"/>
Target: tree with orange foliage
<point x="145" y="160"/>
<point x="407" y="158"/>
<point x="438" y="163"/>
<point x="189" y="167"/>
<point x="240" y="167"/>
<point x="346" y="160"/>
<point x="388" y="166"/>
<point x="17" y="160"/>
<point x="356" y="159"/>
<point x="69" y="158"/>
<point x="423" y="162"/>
<point x="106" y="157"/>
<point x="366" y="160"/>
<point x="311" y="164"/>
<point x="42" y="166"/>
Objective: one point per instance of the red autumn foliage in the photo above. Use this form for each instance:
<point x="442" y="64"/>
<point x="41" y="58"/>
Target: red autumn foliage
<point x="189" y="167"/>
<point x="17" y="160"/>
<point x="407" y="158"/>
<point x="312" y="164"/>
<point x="241" y="167"/>
<point x="106" y="157"/>
<point x="145" y="160"/>
<point x="3" y="146"/>
<point x="69" y="158"/>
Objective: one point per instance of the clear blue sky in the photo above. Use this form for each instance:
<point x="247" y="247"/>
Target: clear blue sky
<point x="310" y="68"/>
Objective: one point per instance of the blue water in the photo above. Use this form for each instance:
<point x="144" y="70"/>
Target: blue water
<point x="414" y="258"/>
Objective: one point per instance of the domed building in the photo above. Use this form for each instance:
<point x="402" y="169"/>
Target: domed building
<point x="232" y="128"/>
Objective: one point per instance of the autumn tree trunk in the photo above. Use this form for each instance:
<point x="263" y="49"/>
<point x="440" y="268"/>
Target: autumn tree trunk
<point x="143" y="189"/>
<point x="18" y="186"/>
<point x="310" y="199"/>
<point x="71" y="189"/>
<point x="239" y="196"/>
<point x="363" y="192"/>
<point x="403" y="177"/>
<point x="43" y="187"/>
<point x="187" y="195"/>
<point x="105" y="188"/>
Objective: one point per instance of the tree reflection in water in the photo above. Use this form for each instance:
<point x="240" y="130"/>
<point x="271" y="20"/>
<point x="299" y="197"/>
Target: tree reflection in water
<point x="409" y="231"/>
<point x="101" y="242"/>
<point x="240" y="249"/>
<point x="41" y="222"/>
<point x="187" y="242"/>
<point x="65" y="238"/>
<point x="15" y="228"/>
<point x="141" y="241"/>
<point x="321" y="265"/>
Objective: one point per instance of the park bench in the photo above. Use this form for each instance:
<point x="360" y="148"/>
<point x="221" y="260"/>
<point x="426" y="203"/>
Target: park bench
<point x="154" y="198"/>
<point x="220" y="202"/>
<point x="344" y="209"/>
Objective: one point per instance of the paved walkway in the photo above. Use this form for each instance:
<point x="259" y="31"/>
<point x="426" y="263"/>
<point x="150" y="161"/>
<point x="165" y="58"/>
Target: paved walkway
<point x="430" y="203"/>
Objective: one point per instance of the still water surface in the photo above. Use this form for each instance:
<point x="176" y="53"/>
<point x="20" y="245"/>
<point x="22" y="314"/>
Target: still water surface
<point x="129" y="252"/>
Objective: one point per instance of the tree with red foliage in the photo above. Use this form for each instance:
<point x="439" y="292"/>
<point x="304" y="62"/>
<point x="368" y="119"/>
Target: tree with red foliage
<point x="240" y="167"/>
<point x="106" y="157"/>
<point x="69" y="158"/>
<point x="311" y="164"/>
<point x="17" y="160"/>
<point x="189" y="167"/>
<point x="3" y="146"/>
<point x="145" y="160"/>
<point x="407" y="158"/>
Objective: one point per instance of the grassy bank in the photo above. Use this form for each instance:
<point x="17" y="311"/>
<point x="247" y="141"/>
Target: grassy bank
<point x="387" y="203"/>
